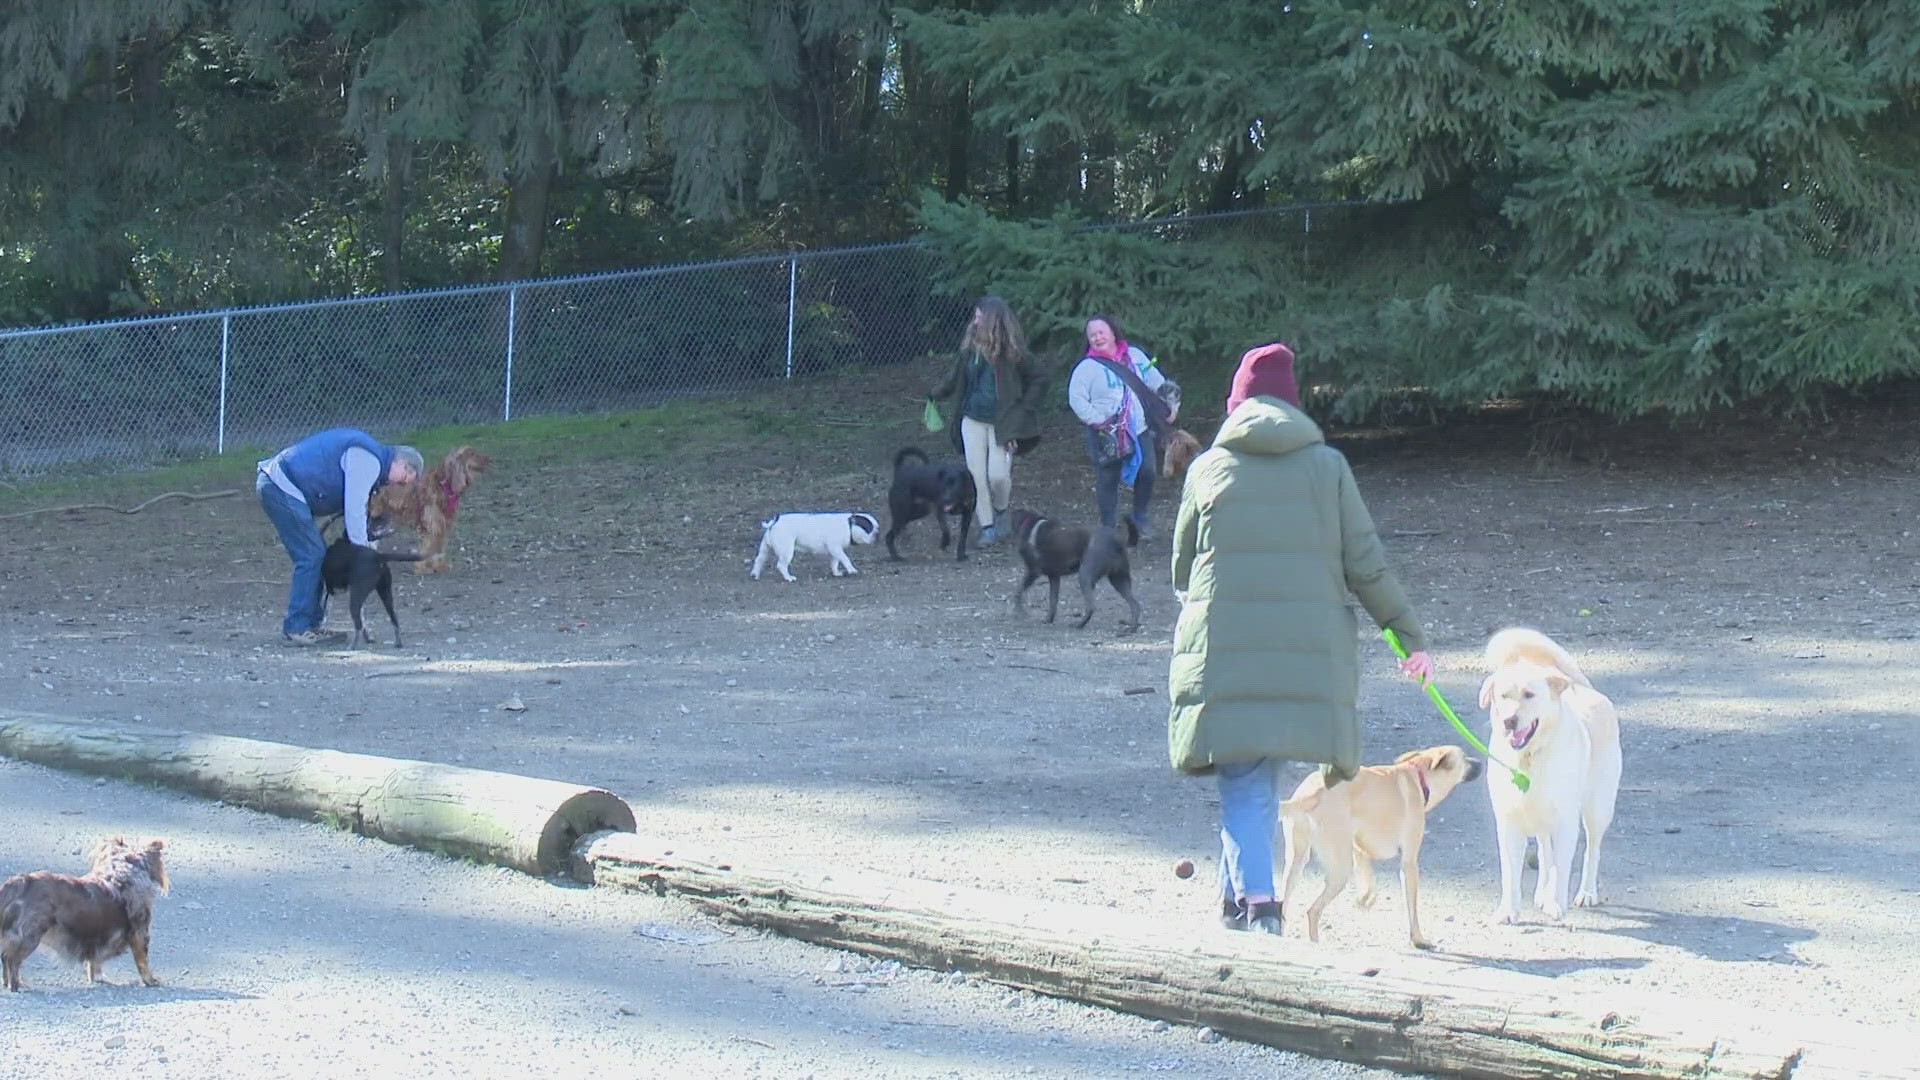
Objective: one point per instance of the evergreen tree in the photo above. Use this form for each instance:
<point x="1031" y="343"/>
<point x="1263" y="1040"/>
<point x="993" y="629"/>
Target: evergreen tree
<point x="1635" y="206"/>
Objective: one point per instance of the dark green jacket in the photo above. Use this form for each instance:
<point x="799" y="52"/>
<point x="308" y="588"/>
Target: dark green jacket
<point x="1020" y="394"/>
<point x="1272" y="535"/>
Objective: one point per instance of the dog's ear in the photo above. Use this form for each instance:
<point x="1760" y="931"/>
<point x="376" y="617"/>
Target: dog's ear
<point x="1486" y="693"/>
<point x="1303" y="804"/>
<point x="1558" y="682"/>
<point x="1433" y="758"/>
<point x="156" y="866"/>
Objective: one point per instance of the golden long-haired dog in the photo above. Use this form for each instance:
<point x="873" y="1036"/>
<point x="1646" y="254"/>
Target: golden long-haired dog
<point x="1180" y="451"/>
<point x="92" y="918"/>
<point x="428" y="505"/>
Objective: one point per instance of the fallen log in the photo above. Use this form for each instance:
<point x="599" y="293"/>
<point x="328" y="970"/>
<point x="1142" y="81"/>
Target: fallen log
<point x="1397" y="1011"/>
<point x="521" y="822"/>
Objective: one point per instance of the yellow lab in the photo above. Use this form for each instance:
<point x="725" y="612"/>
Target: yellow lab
<point x="1549" y="722"/>
<point x="1376" y="815"/>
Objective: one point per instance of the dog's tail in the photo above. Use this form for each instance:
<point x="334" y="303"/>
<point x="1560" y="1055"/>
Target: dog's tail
<point x="906" y="452"/>
<point x="1522" y="643"/>
<point x="10" y="914"/>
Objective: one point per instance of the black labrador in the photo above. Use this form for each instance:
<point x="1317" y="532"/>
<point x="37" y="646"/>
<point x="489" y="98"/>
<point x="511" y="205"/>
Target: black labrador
<point x="918" y="490"/>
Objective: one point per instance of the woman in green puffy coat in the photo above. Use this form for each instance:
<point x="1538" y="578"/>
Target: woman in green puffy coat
<point x="1271" y="537"/>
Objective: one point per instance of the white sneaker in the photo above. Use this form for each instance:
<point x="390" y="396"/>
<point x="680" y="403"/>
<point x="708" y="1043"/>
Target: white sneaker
<point x="305" y="638"/>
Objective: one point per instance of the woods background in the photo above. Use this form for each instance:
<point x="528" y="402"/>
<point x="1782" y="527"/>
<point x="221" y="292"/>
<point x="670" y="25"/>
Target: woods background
<point x="1631" y="206"/>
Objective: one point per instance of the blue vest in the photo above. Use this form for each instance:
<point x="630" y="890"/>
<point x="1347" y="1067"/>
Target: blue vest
<point x="313" y="464"/>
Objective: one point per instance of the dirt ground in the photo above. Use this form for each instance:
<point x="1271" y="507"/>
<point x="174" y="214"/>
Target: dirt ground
<point x="1744" y="592"/>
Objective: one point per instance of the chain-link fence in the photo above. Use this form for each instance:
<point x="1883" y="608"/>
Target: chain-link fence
<point x="143" y="390"/>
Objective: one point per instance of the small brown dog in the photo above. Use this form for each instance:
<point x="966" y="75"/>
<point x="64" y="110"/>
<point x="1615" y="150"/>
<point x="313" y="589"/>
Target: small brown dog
<point x="1180" y="451"/>
<point x="428" y="505"/>
<point x="1368" y="819"/>
<point x="92" y="918"/>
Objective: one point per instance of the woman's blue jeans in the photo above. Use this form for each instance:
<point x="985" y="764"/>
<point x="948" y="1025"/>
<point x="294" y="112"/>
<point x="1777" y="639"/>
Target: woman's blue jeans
<point x="1249" y="816"/>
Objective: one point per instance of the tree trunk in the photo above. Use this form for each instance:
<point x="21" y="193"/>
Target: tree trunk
<point x="525" y="238"/>
<point x="1396" y="1011"/>
<point x="873" y="77"/>
<point x="1013" y="171"/>
<point x="959" y="141"/>
<point x="1056" y="172"/>
<point x="1102" y="167"/>
<point x="515" y="821"/>
<point x="1226" y="182"/>
<point x="393" y="218"/>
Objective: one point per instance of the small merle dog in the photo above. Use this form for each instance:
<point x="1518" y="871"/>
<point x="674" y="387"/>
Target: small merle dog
<point x="1052" y="550"/>
<point x="358" y="571"/>
<point x="946" y="488"/>
<point x="91" y="918"/>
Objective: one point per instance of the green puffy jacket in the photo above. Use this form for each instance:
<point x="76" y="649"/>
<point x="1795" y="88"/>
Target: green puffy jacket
<point x="1272" y="535"/>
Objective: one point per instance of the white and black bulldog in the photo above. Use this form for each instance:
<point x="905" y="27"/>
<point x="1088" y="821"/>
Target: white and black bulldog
<point x="820" y="534"/>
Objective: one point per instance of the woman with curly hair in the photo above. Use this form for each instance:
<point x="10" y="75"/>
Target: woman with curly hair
<point x="993" y="389"/>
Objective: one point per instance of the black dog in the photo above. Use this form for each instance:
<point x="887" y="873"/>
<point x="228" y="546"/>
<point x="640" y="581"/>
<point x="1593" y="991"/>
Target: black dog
<point x="359" y="571"/>
<point x="946" y="488"/>
<point x="1053" y="550"/>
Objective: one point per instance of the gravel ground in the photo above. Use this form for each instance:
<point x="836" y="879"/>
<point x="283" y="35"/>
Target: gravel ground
<point x="1744" y="593"/>
<point x="292" y="950"/>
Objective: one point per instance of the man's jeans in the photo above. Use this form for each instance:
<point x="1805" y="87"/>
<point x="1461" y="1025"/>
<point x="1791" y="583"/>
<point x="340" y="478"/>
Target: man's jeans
<point x="1249" y="814"/>
<point x="301" y="537"/>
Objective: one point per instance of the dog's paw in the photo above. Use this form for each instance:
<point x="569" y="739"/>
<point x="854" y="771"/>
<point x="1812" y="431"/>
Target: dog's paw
<point x="1587" y="898"/>
<point x="1553" y="911"/>
<point x="1422" y="944"/>
<point x="1504" y="916"/>
<point x="1365" y="900"/>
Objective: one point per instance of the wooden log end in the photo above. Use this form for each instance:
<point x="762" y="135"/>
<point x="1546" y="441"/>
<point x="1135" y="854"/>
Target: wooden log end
<point x="589" y="812"/>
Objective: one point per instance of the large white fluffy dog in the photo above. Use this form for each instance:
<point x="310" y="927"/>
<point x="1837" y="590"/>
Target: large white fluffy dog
<point x="820" y="534"/>
<point x="1550" y="723"/>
